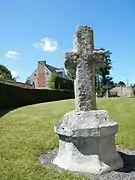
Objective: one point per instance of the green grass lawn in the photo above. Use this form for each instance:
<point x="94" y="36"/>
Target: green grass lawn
<point x="27" y="132"/>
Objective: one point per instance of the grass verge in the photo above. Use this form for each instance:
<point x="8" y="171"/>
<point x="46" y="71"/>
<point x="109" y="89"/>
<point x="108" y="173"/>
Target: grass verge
<point x="27" y="132"/>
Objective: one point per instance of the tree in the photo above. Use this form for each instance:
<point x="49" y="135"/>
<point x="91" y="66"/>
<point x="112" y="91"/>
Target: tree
<point x="70" y="74"/>
<point x="103" y="80"/>
<point x="5" y="74"/>
<point x="28" y="82"/>
<point x="121" y="83"/>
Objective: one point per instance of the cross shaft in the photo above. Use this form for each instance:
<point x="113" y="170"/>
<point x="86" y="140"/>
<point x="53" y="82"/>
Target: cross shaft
<point x="83" y="60"/>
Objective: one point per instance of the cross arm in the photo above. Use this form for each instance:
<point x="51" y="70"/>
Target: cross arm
<point x="71" y="59"/>
<point x="97" y="57"/>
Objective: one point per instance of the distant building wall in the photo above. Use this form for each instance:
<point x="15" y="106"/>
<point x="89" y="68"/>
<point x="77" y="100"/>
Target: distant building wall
<point x="47" y="74"/>
<point x="40" y="77"/>
<point x="122" y="91"/>
<point x="33" y="79"/>
<point x="126" y="92"/>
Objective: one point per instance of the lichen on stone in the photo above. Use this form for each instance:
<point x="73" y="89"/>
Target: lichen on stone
<point x="82" y="59"/>
<point x="71" y="59"/>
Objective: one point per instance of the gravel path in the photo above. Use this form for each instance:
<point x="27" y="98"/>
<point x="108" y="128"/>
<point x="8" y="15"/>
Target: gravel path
<point x="126" y="173"/>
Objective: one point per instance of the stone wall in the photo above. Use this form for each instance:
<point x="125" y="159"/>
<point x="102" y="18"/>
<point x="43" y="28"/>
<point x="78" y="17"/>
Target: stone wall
<point x="33" y="79"/>
<point x="17" y="84"/>
<point x="122" y="91"/>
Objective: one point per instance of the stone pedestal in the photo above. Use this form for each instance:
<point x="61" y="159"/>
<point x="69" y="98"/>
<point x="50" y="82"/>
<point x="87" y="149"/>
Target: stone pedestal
<point x="87" y="142"/>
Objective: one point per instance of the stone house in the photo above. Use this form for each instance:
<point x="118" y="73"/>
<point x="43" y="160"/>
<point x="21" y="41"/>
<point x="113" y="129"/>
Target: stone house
<point x="120" y="91"/>
<point x="40" y="77"/>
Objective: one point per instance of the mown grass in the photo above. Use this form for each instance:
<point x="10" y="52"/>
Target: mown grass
<point x="27" y="132"/>
<point x="122" y="110"/>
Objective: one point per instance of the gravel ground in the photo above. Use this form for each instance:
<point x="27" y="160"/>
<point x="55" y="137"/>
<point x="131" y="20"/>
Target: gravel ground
<point x="126" y="173"/>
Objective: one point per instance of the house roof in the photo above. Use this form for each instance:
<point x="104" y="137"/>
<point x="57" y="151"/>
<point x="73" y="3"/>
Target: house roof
<point x="55" y="70"/>
<point x="115" y="89"/>
<point x="51" y="69"/>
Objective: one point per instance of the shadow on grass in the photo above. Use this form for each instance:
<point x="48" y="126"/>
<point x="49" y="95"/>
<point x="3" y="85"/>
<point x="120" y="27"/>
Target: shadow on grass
<point x="128" y="161"/>
<point x="4" y="111"/>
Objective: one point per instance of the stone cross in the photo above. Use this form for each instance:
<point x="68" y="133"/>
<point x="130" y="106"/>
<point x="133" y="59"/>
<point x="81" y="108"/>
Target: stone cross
<point x="83" y="60"/>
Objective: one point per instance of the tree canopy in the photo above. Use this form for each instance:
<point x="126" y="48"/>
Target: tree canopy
<point x="103" y="79"/>
<point x="5" y="74"/>
<point x="121" y="83"/>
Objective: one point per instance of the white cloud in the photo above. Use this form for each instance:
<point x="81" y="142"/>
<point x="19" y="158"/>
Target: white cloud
<point x="133" y="81"/>
<point x="12" y="54"/>
<point x="14" y="74"/>
<point x="47" y="44"/>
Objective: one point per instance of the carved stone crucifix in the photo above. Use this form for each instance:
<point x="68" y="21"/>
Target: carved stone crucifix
<point x="83" y="60"/>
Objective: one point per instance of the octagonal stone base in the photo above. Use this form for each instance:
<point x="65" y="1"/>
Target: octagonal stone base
<point x="87" y="142"/>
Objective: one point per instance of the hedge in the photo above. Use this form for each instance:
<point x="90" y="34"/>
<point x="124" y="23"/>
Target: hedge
<point x="12" y="96"/>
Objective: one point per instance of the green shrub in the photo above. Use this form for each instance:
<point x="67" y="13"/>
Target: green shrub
<point x="56" y="82"/>
<point x="52" y="78"/>
<point x="12" y="96"/>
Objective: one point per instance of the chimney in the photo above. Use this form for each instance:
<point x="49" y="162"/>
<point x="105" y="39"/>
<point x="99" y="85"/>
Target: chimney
<point x="41" y="74"/>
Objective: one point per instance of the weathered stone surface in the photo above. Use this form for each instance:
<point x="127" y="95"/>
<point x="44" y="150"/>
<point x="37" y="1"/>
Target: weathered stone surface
<point x="87" y="142"/>
<point x="86" y="135"/>
<point x="83" y="60"/>
<point x="93" y="123"/>
<point x="125" y="173"/>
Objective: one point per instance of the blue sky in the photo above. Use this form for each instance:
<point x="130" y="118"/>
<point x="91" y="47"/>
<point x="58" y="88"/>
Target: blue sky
<point x="32" y="30"/>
